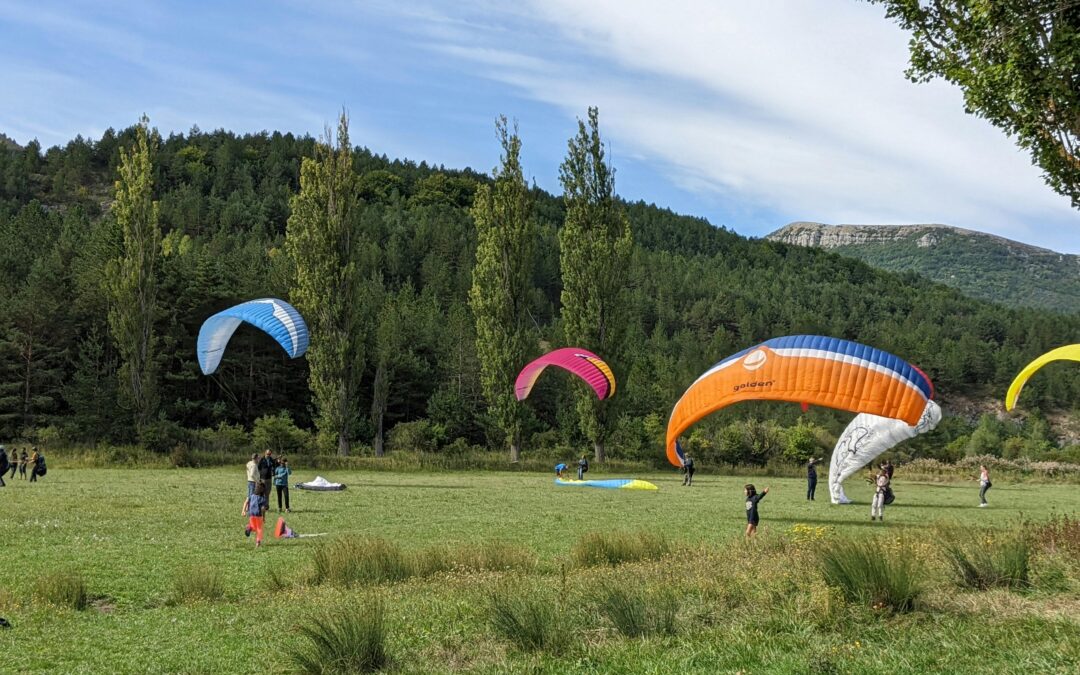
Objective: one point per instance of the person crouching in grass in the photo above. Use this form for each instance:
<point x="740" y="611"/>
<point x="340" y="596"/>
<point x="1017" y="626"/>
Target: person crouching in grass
<point x="254" y="508"/>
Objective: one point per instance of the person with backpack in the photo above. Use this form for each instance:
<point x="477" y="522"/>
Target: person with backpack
<point x="255" y="509"/>
<point x="752" y="499"/>
<point x="688" y="470"/>
<point x="4" y="465"/>
<point x="281" y="483"/>
<point x="877" y="506"/>
<point x="14" y="463"/>
<point x="582" y="467"/>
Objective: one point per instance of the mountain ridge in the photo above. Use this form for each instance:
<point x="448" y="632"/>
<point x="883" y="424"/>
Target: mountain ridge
<point x="985" y="266"/>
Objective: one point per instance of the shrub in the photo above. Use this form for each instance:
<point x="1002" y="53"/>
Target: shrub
<point x="637" y="612"/>
<point x="225" y="439"/>
<point x="162" y="436"/>
<point x="863" y="572"/>
<point x="989" y="562"/>
<point x="614" y="548"/>
<point x="182" y="458"/>
<point x="351" y="639"/>
<point x="202" y="582"/>
<point x="65" y="588"/>
<point x="366" y="561"/>
<point x="419" y="436"/>
<point x="278" y="433"/>
<point x="530" y="620"/>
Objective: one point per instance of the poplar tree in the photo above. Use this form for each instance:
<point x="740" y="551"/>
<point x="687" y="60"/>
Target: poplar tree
<point x="595" y="245"/>
<point x="131" y="278"/>
<point x="502" y="284"/>
<point x="323" y="242"/>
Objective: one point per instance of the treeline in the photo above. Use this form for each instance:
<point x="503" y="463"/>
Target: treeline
<point x="689" y="294"/>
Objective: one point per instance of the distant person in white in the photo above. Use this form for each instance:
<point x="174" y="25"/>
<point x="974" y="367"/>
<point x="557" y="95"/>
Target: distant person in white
<point x="877" y="507"/>
<point x="984" y="485"/>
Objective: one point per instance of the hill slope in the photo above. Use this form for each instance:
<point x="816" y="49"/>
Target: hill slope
<point x="981" y="265"/>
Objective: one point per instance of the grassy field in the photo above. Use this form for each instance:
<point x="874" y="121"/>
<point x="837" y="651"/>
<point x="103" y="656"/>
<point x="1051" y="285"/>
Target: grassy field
<point x="140" y="538"/>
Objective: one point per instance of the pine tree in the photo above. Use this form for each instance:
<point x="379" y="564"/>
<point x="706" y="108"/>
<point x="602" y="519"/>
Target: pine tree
<point x="327" y="286"/>
<point x="595" y="244"/>
<point x="502" y="284"/>
<point x="131" y="279"/>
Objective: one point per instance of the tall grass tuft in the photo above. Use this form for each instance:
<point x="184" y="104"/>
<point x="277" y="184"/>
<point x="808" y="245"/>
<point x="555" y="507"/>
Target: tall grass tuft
<point x="614" y="548"/>
<point x="351" y="639"/>
<point x="637" y="612"/>
<point x="991" y="563"/>
<point x="863" y="571"/>
<point x="532" y="621"/>
<point x="64" y="588"/>
<point x="1059" y="533"/>
<point x="365" y="561"/>
<point x="201" y="582"/>
<point x="493" y="556"/>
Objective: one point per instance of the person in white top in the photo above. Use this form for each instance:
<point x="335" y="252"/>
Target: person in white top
<point x="984" y="484"/>
<point x="877" y="507"/>
<point x="252" y="473"/>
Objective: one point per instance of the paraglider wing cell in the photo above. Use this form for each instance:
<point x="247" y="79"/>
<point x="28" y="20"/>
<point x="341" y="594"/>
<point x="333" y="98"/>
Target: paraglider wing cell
<point x="1066" y="353"/>
<point x="866" y="437"/>
<point x="810" y="369"/>
<point x="581" y="362"/>
<point x="275" y="317"/>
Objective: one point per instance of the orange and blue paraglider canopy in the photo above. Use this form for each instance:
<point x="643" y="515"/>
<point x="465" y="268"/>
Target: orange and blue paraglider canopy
<point x="580" y="362"/>
<point x="807" y="369"/>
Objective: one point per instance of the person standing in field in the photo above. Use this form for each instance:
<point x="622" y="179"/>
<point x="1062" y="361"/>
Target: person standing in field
<point x="252" y="473"/>
<point x="4" y="464"/>
<point x="811" y="478"/>
<point x="752" y="499"/>
<point x="281" y="483"/>
<point x="255" y="509"/>
<point x="688" y="469"/>
<point x="877" y="507"/>
<point x="34" y="459"/>
<point x="14" y="461"/>
<point x="266" y="472"/>
<point x="23" y="461"/>
<point x="984" y="485"/>
<point x="582" y="467"/>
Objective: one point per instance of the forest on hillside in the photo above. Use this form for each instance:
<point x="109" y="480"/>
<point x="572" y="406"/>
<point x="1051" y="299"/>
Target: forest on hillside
<point x="694" y="293"/>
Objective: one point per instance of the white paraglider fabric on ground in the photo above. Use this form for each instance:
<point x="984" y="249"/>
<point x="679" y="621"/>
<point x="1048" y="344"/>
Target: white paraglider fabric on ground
<point x="867" y="437"/>
<point x="320" y="483"/>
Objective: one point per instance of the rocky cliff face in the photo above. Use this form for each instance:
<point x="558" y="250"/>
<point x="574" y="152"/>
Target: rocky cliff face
<point x="821" y="235"/>
<point x="979" y="264"/>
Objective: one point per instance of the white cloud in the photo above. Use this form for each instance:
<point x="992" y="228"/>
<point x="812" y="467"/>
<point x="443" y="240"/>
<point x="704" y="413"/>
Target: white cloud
<point x="798" y="107"/>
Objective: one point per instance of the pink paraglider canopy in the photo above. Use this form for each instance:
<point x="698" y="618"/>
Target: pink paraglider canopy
<point x="580" y="362"/>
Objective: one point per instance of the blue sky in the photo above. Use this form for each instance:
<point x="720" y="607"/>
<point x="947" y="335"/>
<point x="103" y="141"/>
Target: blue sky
<point x="749" y="114"/>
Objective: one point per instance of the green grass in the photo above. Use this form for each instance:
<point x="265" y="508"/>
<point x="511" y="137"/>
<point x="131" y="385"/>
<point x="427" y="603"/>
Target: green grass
<point x="759" y="606"/>
<point x="351" y="638"/>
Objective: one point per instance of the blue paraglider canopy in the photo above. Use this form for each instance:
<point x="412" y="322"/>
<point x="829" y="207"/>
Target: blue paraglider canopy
<point x="277" y="318"/>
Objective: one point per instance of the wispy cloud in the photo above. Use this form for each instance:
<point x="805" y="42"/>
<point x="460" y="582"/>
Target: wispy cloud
<point x="800" y="108"/>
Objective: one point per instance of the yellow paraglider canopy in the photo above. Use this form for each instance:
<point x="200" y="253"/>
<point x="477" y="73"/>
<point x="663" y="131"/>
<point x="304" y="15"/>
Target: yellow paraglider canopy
<point x="1066" y="353"/>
